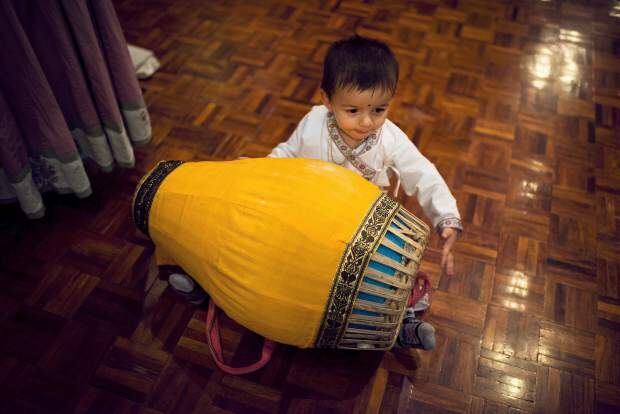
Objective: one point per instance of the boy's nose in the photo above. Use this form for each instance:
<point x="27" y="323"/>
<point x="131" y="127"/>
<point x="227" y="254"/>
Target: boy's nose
<point x="366" y="122"/>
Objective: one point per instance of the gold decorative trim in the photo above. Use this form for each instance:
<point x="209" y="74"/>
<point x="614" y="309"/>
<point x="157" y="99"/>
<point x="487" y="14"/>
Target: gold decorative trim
<point x="353" y="156"/>
<point x="351" y="270"/>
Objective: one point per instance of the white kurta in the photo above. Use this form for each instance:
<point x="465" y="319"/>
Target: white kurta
<point x="418" y="175"/>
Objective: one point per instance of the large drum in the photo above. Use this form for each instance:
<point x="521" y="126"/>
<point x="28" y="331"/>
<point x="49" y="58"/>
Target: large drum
<point x="300" y="251"/>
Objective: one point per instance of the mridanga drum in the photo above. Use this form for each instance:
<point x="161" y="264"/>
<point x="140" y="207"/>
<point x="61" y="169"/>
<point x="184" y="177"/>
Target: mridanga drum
<point x="301" y="251"/>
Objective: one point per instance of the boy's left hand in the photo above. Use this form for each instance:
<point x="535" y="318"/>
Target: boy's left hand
<point x="449" y="235"/>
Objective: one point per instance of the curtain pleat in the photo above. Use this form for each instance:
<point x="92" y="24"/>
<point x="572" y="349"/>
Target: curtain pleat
<point x="68" y="91"/>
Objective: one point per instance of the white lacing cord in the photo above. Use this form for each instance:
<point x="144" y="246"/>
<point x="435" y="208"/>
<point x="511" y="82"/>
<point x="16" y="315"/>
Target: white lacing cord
<point x="397" y="179"/>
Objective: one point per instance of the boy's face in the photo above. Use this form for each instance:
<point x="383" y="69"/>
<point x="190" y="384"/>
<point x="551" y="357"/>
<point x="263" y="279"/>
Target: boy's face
<point x="358" y="113"/>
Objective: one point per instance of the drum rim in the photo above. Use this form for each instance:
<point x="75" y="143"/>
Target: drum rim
<point x="334" y="326"/>
<point x="145" y="192"/>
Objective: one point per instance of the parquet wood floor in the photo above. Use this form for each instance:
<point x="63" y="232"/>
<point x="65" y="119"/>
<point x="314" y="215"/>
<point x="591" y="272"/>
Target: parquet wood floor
<point x="518" y="105"/>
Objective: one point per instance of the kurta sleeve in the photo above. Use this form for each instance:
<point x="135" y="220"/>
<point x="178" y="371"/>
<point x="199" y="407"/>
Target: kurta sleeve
<point x="419" y="177"/>
<point x="292" y="147"/>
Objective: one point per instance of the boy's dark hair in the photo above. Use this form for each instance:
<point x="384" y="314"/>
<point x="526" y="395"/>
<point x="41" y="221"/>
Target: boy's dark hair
<point x="359" y="63"/>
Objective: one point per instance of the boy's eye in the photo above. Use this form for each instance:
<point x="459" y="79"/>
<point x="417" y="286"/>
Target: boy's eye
<point x="352" y="111"/>
<point x="379" y="110"/>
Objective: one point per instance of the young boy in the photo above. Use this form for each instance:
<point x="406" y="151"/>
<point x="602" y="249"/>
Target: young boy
<point x="351" y="129"/>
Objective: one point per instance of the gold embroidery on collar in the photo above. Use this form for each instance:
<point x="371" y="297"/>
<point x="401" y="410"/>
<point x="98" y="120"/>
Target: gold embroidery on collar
<point x="334" y="134"/>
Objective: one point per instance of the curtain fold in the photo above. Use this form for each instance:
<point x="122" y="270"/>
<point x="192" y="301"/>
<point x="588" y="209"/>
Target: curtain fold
<point x="68" y="91"/>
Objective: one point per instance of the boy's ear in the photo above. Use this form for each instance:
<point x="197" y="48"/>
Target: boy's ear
<point x="326" y="100"/>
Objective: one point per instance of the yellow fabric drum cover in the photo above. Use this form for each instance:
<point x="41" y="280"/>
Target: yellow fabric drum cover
<point x="281" y="245"/>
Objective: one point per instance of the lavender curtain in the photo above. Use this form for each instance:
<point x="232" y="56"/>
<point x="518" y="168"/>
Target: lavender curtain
<point x="68" y="91"/>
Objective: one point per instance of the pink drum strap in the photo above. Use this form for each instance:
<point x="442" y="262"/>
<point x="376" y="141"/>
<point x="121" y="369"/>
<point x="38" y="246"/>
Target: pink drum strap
<point x="215" y="345"/>
<point x="421" y="286"/>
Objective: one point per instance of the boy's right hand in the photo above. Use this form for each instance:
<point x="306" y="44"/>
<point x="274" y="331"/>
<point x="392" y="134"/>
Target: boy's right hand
<point x="449" y="235"/>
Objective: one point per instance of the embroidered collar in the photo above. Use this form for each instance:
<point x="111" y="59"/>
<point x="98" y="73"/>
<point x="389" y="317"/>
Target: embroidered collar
<point x="353" y="154"/>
